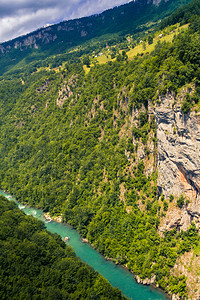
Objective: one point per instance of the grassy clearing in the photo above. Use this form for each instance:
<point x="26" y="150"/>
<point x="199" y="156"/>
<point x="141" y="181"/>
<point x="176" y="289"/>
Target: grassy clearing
<point x="86" y="69"/>
<point x="164" y="36"/>
<point x="104" y="59"/>
<point x="144" y="47"/>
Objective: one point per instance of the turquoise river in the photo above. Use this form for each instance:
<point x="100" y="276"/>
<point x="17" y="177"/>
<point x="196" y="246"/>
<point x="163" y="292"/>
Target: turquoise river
<point x="116" y="275"/>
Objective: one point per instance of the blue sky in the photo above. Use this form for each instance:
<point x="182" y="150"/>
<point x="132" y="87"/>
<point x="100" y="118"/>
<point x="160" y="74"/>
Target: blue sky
<point x="18" y="17"/>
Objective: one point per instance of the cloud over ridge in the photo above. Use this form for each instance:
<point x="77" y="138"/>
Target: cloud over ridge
<point x="23" y="16"/>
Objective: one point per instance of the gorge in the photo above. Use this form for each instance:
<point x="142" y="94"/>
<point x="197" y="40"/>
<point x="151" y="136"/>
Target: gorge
<point x="105" y="136"/>
<point x="116" y="275"/>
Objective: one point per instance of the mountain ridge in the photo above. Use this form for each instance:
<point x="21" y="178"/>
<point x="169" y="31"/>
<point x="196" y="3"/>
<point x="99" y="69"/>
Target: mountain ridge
<point x="60" y="37"/>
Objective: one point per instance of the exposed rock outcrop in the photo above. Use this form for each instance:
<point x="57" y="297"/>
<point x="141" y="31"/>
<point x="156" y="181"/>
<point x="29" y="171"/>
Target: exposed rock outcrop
<point x="178" y="142"/>
<point x="50" y="218"/>
<point x="66" y="91"/>
<point x="189" y="265"/>
<point x="146" y="281"/>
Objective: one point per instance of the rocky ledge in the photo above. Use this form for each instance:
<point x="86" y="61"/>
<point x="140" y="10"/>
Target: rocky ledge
<point x="178" y="162"/>
<point x="49" y="218"/>
<point x="146" y="281"/>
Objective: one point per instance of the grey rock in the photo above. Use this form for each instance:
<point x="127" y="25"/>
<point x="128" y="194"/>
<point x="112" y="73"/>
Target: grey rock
<point x="146" y="281"/>
<point x="178" y="142"/>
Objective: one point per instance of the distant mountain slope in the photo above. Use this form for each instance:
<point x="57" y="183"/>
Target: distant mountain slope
<point x="183" y="14"/>
<point x="60" y="37"/>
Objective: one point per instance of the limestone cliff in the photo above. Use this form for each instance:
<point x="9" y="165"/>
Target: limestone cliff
<point x="178" y="161"/>
<point x="189" y="265"/>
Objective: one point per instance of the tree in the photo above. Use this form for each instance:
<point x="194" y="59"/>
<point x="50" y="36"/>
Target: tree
<point x="86" y="61"/>
<point x="150" y="39"/>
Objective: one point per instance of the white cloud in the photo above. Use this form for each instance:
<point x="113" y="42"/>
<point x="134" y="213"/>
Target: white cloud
<point x="18" y="17"/>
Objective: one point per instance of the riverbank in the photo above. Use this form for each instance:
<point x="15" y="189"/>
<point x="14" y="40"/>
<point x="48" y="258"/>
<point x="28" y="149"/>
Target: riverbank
<point x="118" y="276"/>
<point x="50" y="218"/>
<point x="145" y="282"/>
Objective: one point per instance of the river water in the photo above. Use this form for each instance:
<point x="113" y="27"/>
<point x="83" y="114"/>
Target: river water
<point x="116" y="275"/>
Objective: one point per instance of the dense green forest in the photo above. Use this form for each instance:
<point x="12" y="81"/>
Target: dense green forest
<point x="184" y="15"/>
<point x="78" y="144"/>
<point x="36" y="264"/>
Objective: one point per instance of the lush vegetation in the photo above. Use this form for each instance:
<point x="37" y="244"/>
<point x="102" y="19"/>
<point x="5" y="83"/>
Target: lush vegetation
<point x="108" y="28"/>
<point x="36" y="264"/>
<point x="184" y="15"/>
<point x="80" y="144"/>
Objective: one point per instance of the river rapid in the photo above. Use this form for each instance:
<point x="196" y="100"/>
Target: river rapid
<point x="116" y="275"/>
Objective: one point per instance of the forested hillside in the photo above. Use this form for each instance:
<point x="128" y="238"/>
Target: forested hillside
<point x="82" y="143"/>
<point x="36" y="264"/>
<point x="108" y="27"/>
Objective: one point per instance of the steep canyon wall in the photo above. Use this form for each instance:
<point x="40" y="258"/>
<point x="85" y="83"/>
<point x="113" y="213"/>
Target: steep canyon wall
<point x="178" y="161"/>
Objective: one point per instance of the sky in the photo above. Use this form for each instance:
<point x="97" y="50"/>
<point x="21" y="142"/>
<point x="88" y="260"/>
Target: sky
<point x="18" y="17"/>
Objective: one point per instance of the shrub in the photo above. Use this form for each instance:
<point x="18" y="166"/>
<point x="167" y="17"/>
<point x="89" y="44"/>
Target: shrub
<point x="180" y="201"/>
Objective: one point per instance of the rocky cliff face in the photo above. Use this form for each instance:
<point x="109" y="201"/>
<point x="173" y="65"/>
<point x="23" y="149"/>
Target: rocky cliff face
<point x="178" y="141"/>
<point x="43" y="36"/>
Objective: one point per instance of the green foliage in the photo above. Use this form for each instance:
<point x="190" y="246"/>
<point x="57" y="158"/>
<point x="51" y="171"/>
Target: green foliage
<point x="165" y="206"/>
<point x="64" y="138"/>
<point x="150" y="39"/>
<point x="162" y="198"/>
<point x="180" y="201"/>
<point x="93" y="33"/>
<point x="183" y="15"/>
<point x="195" y="23"/>
<point x="178" y="285"/>
<point x="36" y="264"/>
<point x="86" y="61"/>
<point x="186" y="104"/>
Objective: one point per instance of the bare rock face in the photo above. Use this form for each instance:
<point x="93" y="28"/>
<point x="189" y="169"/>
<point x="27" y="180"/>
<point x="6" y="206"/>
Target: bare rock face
<point x="178" y="140"/>
<point x="145" y="281"/>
